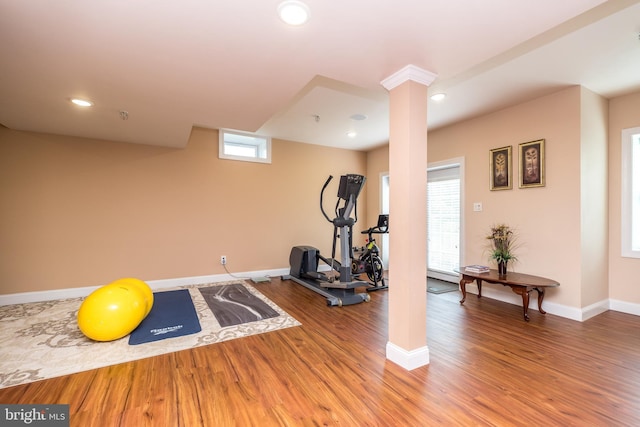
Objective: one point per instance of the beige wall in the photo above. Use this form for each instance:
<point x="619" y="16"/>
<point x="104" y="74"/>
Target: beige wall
<point x="546" y="218"/>
<point x="377" y="163"/>
<point x="623" y="272"/>
<point x="570" y="229"/>
<point x="594" y="198"/>
<point x="78" y="212"/>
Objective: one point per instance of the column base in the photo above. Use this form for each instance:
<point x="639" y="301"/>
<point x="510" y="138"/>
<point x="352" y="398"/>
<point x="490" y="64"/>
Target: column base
<point x="408" y="359"/>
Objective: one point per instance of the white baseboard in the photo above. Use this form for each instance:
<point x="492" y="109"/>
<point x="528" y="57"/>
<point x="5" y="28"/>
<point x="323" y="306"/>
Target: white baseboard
<point x="26" y="297"/>
<point x="624" y="307"/>
<point x="573" y="313"/>
<point x="443" y="276"/>
<point x="408" y="359"/>
<point x="594" y="309"/>
<point x="561" y="310"/>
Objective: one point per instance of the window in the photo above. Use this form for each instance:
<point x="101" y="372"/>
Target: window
<point x="443" y="220"/>
<point x="244" y="146"/>
<point x="631" y="192"/>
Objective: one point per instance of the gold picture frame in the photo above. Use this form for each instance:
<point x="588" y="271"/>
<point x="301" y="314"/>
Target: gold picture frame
<point x="500" y="168"/>
<point x="531" y="160"/>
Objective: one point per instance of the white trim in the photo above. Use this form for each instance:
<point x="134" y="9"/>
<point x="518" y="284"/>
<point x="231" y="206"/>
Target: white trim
<point x="27" y="297"/>
<point x="408" y="359"/>
<point x="594" y="309"/>
<point x="444" y="276"/>
<point x="410" y="72"/>
<point x="450" y="163"/>
<point x="509" y="297"/>
<point x="624" y="307"/>
<point x="571" y="313"/>
<point x="222" y="141"/>
<point x="401" y="354"/>
<point x="626" y="193"/>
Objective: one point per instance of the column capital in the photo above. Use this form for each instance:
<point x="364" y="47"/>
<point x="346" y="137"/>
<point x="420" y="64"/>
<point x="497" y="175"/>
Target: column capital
<point x="410" y="72"/>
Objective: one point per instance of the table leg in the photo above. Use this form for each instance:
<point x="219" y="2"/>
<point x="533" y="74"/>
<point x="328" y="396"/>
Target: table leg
<point x="479" y="283"/>
<point x="522" y="290"/>
<point x="463" y="287"/>
<point x="540" y="298"/>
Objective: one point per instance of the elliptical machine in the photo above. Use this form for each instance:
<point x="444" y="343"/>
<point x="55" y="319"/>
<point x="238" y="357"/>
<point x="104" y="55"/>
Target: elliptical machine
<point x="339" y="283"/>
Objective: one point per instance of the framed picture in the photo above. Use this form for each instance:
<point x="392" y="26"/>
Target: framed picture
<point x="531" y="159"/>
<point x="500" y="163"/>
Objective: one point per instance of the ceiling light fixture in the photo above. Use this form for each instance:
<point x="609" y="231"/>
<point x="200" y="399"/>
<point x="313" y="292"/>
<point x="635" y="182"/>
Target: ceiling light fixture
<point x="293" y="12"/>
<point x="438" y="96"/>
<point x="352" y="134"/>
<point x="359" y="117"/>
<point x="82" y="102"/>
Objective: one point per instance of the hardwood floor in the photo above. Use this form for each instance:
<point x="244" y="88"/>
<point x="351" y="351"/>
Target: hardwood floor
<point x="488" y="367"/>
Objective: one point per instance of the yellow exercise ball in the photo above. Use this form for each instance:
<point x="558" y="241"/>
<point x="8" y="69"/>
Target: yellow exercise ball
<point x="111" y="312"/>
<point x="142" y="286"/>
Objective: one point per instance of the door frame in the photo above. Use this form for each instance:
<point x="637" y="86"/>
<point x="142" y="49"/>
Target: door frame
<point x="455" y="161"/>
<point x="445" y="164"/>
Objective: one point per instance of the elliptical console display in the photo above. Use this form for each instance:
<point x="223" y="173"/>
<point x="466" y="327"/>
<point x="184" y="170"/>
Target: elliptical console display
<point x="350" y="185"/>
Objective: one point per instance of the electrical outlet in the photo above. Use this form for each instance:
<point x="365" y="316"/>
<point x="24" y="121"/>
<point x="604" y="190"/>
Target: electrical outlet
<point x="223" y="260"/>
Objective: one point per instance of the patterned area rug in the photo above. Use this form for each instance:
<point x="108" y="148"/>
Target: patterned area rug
<point x="42" y="340"/>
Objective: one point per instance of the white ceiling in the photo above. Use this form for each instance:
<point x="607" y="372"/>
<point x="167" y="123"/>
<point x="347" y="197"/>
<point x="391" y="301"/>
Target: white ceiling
<point x="233" y="64"/>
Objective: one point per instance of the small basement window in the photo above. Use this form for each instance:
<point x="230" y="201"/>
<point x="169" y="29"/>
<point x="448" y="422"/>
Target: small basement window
<point x="244" y="146"/>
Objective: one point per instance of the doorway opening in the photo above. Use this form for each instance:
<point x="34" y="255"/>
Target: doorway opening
<point x="444" y="218"/>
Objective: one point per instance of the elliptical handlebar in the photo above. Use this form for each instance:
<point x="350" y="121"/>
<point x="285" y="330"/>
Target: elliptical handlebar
<point x="321" y="197"/>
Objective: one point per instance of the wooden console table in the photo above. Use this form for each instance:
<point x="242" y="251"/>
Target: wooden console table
<point x="521" y="284"/>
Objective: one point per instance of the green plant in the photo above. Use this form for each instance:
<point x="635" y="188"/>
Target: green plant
<point x="502" y="243"/>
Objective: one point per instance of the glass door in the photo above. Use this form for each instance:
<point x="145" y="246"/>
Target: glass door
<point x="443" y="222"/>
<point x="444" y="218"/>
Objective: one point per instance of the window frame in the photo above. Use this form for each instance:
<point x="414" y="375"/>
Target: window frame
<point x="264" y="143"/>
<point x="630" y="222"/>
<point x="445" y="171"/>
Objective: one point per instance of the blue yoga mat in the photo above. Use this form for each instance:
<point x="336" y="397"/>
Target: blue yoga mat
<point x="172" y="315"/>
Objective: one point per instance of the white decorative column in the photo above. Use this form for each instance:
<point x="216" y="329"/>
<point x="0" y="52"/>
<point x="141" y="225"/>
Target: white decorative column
<point x="407" y="345"/>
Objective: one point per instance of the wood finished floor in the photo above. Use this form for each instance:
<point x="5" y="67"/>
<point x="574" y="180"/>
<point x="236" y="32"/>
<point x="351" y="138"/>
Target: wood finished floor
<point x="488" y="367"/>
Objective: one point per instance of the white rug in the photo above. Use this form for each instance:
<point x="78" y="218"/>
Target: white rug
<point x="42" y="340"/>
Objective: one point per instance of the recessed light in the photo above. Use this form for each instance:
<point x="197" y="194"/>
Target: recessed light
<point x="438" y="96"/>
<point x="358" y="117"/>
<point x="293" y="12"/>
<point x="82" y="102"/>
<point x="352" y="134"/>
